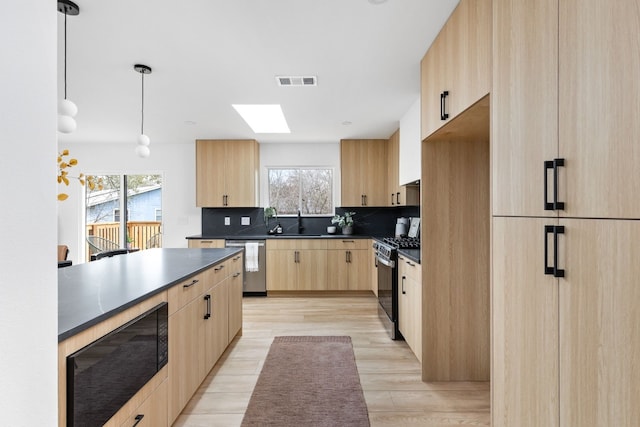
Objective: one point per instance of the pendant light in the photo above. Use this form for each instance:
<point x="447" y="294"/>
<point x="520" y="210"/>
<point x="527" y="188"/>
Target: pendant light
<point x="67" y="110"/>
<point x="142" y="149"/>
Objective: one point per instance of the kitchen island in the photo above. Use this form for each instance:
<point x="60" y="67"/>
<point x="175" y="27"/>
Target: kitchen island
<point x="202" y="289"/>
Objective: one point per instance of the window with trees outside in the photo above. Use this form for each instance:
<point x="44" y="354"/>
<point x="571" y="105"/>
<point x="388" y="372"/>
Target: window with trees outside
<point x="309" y="190"/>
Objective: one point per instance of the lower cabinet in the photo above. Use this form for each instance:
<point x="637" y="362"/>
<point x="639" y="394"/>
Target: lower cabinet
<point x="348" y="261"/>
<point x="199" y="328"/>
<point x="565" y="328"/>
<point x="410" y="304"/>
<point x="235" y="296"/>
<point x="153" y="411"/>
<point x="373" y="269"/>
<point x="296" y="265"/>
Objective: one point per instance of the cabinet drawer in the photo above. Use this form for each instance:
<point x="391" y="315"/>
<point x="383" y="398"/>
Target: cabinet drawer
<point x="296" y="244"/>
<point x="217" y="273"/>
<point x="409" y="268"/>
<point x="236" y="264"/>
<point x="347" y="243"/>
<point x="152" y="412"/>
<point x="182" y="293"/>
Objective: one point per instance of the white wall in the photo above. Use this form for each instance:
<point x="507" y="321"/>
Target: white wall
<point x="304" y="154"/>
<point x="176" y="164"/>
<point x="28" y="282"/>
<point x="410" y="145"/>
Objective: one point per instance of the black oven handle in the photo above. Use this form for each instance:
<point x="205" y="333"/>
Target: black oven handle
<point x="388" y="263"/>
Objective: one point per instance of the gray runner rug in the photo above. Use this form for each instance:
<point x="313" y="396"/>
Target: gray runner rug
<point x="308" y="381"/>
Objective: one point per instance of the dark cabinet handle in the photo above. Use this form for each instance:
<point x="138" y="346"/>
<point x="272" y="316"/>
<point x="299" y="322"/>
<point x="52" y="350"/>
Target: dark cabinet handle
<point x="349" y="257"/>
<point x="236" y="275"/>
<point x="443" y="114"/>
<point x="188" y="285"/>
<point x="552" y="270"/>
<point x="555" y="204"/>
<point x="207" y="298"/>
<point x="218" y="268"/>
<point x="138" y="418"/>
<point x="398" y="198"/>
<point x="392" y="203"/>
<point x="403" y="279"/>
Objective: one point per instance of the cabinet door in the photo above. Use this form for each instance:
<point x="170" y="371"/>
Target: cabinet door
<point x="374" y="173"/>
<point x="217" y="325"/>
<point x="432" y="83"/>
<point x="282" y="270"/>
<point x="241" y="173"/>
<point x="599" y="108"/>
<point x="235" y="304"/>
<point x="312" y="270"/>
<point x="599" y="318"/>
<point x="351" y="183"/>
<point x="524" y="104"/>
<point x="184" y="350"/>
<point x="210" y="173"/>
<point x="468" y="54"/>
<point x="337" y="274"/>
<point x="358" y="270"/>
<point x="403" y="300"/>
<point x="525" y="327"/>
<point x="415" y="304"/>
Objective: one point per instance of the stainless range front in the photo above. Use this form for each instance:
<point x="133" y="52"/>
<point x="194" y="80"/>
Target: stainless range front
<point x="386" y="257"/>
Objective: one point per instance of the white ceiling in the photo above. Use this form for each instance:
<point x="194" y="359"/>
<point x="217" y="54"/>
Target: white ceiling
<point x="209" y="54"/>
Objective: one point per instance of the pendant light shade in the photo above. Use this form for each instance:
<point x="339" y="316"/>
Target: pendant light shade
<point x="67" y="110"/>
<point x="142" y="149"/>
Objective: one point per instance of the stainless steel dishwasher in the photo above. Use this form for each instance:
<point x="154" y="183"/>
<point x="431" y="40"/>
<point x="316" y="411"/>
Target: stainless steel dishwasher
<point x="255" y="277"/>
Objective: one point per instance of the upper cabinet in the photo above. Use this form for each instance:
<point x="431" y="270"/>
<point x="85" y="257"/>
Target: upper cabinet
<point x="564" y="108"/>
<point x="363" y="166"/>
<point x="227" y="173"/>
<point x="456" y="70"/>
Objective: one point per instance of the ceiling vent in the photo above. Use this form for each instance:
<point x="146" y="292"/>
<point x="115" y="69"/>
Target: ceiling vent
<point x="297" y="80"/>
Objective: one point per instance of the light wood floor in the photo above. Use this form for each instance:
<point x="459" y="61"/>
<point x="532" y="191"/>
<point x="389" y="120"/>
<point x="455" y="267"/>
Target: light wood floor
<point x="389" y="371"/>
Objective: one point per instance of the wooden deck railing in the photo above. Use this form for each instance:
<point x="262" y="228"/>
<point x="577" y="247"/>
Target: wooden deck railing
<point x="140" y="232"/>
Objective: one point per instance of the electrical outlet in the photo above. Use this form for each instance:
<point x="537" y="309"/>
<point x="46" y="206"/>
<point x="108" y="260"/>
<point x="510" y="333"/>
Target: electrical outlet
<point x="227" y="220"/>
<point x="245" y="220"/>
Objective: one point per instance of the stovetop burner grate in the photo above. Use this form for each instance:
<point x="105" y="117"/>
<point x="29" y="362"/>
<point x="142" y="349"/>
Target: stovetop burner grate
<point x="403" y="242"/>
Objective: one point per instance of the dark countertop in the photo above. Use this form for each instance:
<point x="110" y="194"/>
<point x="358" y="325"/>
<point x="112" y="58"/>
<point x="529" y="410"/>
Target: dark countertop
<point x="92" y="292"/>
<point x="280" y="236"/>
<point x="412" y="254"/>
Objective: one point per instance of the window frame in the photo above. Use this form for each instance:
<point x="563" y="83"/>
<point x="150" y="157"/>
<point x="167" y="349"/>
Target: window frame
<point x="332" y="171"/>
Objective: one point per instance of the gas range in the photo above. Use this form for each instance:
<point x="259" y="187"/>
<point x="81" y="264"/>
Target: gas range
<point x="387" y="249"/>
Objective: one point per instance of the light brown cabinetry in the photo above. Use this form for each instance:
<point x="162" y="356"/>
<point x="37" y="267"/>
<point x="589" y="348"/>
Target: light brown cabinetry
<point x="199" y="313"/>
<point x="456" y="70"/>
<point x="410" y="304"/>
<point x="227" y="173"/>
<point x="152" y="412"/>
<point x="236" y="266"/>
<point x="206" y="243"/>
<point x="296" y="265"/>
<point x="348" y="261"/>
<point x="373" y="269"/>
<point x="399" y="195"/>
<point x="363" y="167"/>
<point x="563" y="89"/>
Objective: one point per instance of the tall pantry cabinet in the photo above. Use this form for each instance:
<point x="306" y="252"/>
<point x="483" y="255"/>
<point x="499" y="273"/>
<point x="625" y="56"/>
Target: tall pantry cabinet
<point x="566" y="285"/>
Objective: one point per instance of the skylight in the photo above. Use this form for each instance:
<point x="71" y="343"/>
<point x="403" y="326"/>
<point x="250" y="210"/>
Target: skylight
<point x="263" y="118"/>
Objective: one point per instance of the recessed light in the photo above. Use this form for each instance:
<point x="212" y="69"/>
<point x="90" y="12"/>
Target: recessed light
<point x="346" y="123"/>
<point x="190" y="123"/>
<point x="263" y="118"/>
<point x="377" y="2"/>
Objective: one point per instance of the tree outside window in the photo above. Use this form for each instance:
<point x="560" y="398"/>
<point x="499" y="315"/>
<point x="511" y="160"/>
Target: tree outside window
<point x="309" y="190"/>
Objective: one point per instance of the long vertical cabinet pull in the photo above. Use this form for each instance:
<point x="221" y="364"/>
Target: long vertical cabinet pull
<point x="138" y="418"/>
<point x="552" y="270"/>
<point x="403" y="291"/>
<point x="207" y="298"/>
<point x="443" y="114"/>
<point x="552" y="164"/>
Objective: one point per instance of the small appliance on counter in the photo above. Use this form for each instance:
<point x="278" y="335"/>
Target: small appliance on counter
<point x="401" y="227"/>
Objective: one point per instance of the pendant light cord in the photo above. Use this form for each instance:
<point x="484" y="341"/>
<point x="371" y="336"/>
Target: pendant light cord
<point x="142" y="123"/>
<point x="65" y="55"/>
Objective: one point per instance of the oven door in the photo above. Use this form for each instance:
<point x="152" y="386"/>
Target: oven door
<point x="388" y="296"/>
